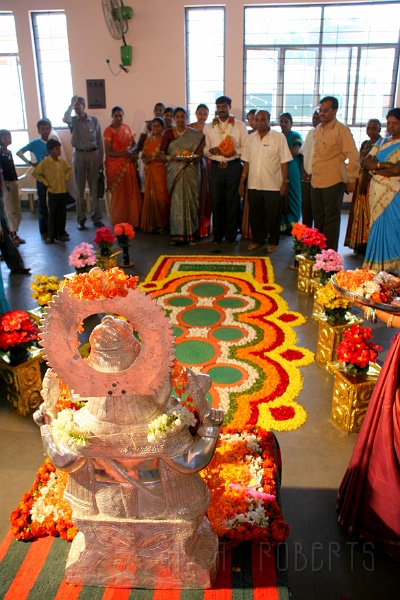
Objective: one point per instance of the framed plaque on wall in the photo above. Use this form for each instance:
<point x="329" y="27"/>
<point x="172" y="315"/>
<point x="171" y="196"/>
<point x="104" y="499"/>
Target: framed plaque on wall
<point x="96" y="93"/>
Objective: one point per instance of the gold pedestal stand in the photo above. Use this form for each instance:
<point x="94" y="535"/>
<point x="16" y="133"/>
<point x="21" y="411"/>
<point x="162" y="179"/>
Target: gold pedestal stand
<point x="36" y="314"/>
<point x="305" y="275"/>
<point x="317" y="309"/>
<point x="108" y="262"/>
<point x="330" y="336"/>
<point x="351" y="395"/>
<point x="23" y="383"/>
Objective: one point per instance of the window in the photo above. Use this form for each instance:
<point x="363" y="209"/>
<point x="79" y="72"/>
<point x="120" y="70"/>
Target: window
<point x="295" y="55"/>
<point x="205" y="57"/>
<point x="12" y="104"/>
<point x="53" y="64"/>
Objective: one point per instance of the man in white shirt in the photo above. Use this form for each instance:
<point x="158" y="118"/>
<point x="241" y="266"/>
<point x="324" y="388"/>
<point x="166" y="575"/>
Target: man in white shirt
<point x="225" y="138"/>
<point x="266" y="156"/>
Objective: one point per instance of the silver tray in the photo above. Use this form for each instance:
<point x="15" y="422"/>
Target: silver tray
<point x="365" y="301"/>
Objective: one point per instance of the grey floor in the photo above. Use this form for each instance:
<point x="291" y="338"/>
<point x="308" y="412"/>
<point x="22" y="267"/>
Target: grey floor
<point x="323" y="563"/>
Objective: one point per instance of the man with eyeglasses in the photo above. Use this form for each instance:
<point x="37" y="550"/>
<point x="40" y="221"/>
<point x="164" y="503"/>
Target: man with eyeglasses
<point x="331" y="176"/>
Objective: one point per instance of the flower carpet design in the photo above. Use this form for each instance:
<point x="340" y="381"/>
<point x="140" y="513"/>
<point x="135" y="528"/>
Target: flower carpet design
<point x="231" y="323"/>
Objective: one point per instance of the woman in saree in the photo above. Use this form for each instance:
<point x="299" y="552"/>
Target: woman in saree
<point x="383" y="248"/>
<point x="182" y="150"/>
<point x="357" y="232"/>
<point x="120" y="163"/>
<point x="202" y="112"/>
<point x="292" y="208"/>
<point x="368" y="502"/>
<point x="156" y="203"/>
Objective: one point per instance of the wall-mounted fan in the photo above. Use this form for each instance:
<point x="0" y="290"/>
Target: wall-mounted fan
<point x="117" y="16"/>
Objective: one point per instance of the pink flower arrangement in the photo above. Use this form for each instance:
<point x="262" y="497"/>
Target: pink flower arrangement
<point x="83" y="257"/>
<point x="328" y="262"/>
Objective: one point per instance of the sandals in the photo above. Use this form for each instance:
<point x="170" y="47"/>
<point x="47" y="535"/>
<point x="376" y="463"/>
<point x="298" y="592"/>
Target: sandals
<point x="16" y="239"/>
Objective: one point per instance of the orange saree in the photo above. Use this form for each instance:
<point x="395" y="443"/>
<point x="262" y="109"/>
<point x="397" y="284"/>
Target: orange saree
<point x="156" y="204"/>
<point x="126" y="201"/>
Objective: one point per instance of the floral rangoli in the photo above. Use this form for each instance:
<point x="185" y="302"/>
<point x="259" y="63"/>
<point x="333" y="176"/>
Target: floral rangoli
<point x="231" y="322"/>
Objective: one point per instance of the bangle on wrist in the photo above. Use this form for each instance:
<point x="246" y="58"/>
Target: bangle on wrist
<point x="390" y="321"/>
<point x="243" y="176"/>
<point x="378" y="165"/>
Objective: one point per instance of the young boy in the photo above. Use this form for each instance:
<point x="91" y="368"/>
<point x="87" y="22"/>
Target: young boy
<point x="54" y="172"/>
<point x="38" y="148"/>
<point x="10" y="187"/>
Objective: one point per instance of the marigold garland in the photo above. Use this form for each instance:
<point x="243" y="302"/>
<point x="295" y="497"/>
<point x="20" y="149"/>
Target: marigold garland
<point x="100" y="284"/>
<point x="239" y="510"/>
<point x="53" y="517"/>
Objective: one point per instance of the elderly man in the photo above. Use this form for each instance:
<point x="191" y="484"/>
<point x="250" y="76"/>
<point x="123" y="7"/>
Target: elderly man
<point x="266" y="156"/>
<point x="225" y="138"/>
<point x="87" y="160"/>
<point x="331" y="177"/>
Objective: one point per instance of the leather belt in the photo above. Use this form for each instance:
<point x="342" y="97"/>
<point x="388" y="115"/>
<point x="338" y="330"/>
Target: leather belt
<point x="85" y="149"/>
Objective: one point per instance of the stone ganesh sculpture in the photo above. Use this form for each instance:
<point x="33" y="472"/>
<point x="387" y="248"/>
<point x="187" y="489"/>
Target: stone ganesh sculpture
<point x="136" y="494"/>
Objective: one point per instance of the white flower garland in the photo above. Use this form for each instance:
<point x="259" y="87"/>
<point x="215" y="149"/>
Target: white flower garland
<point x="68" y="433"/>
<point x="42" y="507"/>
<point x="169" y="423"/>
<point x="256" y="515"/>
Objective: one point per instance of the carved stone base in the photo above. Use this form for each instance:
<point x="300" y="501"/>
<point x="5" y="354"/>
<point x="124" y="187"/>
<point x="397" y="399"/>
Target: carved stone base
<point x="305" y="275"/>
<point x="330" y="336"/>
<point x="141" y="553"/>
<point x="23" y="383"/>
<point x="351" y="397"/>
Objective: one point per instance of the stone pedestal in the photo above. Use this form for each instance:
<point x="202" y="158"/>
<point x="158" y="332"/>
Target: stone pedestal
<point x="141" y="553"/>
<point x="108" y="262"/>
<point x="330" y="336"/>
<point x="23" y="383"/>
<point x="305" y="275"/>
<point x="351" y="395"/>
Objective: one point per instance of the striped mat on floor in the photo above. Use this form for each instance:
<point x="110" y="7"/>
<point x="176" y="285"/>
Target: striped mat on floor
<point x="35" y="571"/>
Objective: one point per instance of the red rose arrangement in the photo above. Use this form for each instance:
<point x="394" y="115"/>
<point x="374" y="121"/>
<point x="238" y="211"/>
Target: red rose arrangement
<point x="124" y="232"/>
<point x="355" y="351"/>
<point x="313" y="240"/>
<point x="17" y="329"/>
<point x="104" y="238"/>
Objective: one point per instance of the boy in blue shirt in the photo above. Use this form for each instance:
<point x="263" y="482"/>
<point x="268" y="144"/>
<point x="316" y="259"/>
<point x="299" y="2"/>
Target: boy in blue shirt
<point x="38" y="148"/>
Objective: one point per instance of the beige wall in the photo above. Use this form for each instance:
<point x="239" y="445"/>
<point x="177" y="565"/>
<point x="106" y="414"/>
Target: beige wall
<point x="158" y="69"/>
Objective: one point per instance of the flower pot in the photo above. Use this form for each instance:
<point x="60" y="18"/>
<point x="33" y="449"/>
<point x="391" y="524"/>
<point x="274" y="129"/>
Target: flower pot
<point x="330" y="336"/>
<point x="106" y="262"/>
<point x="23" y="382"/>
<point x="351" y="395"/>
<point x="125" y="257"/>
<point x="305" y="275"/>
<point x="18" y="355"/>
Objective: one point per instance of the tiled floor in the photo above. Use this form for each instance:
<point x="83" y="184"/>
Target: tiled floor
<point x="323" y="562"/>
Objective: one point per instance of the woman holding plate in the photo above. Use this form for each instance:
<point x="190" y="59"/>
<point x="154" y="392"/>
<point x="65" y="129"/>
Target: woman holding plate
<point x="383" y="248"/>
<point x="182" y="150"/>
<point x="368" y="502"/>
